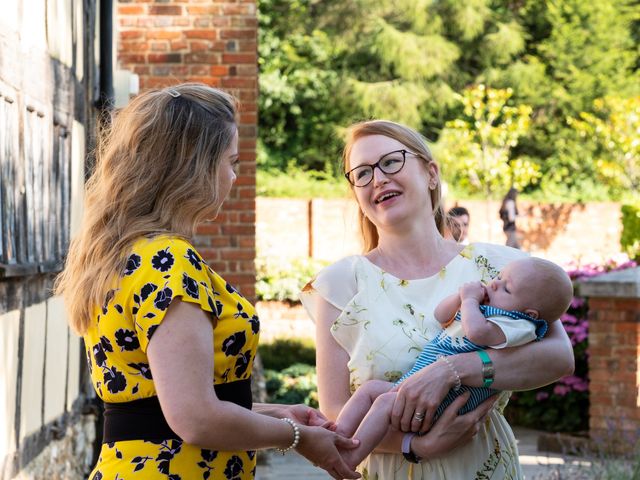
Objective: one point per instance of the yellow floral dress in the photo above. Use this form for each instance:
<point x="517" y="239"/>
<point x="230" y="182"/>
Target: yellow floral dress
<point x="384" y="325"/>
<point x="158" y="270"/>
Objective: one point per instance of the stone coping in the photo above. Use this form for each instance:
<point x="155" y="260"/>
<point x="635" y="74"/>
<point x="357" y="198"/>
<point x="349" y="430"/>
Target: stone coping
<point x="621" y="284"/>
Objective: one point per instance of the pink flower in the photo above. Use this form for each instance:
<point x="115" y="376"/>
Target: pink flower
<point x="540" y="396"/>
<point x="561" y="390"/>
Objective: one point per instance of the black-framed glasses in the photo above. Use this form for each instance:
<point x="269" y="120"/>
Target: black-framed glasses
<point x="389" y="164"/>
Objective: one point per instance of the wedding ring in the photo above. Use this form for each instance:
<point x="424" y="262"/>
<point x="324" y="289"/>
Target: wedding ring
<point x="419" y="416"/>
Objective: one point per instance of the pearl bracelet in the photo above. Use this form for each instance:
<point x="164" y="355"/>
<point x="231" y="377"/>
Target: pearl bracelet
<point x="458" y="384"/>
<point x="296" y="436"/>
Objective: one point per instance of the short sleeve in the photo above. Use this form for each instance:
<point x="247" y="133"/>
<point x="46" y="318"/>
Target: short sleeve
<point x="168" y="268"/>
<point x="336" y="284"/>
<point x="517" y="331"/>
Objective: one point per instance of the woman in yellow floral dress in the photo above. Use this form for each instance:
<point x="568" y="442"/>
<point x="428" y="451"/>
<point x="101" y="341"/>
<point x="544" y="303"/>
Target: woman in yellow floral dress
<point x="374" y="314"/>
<point x="169" y="343"/>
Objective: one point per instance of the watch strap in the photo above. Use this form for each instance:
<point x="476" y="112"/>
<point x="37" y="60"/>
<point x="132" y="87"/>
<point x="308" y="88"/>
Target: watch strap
<point x="406" y="448"/>
<point x="488" y="372"/>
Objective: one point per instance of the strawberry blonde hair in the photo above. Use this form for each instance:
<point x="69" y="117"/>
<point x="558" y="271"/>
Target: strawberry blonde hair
<point x="156" y="172"/>
<point x="414" y="142"/>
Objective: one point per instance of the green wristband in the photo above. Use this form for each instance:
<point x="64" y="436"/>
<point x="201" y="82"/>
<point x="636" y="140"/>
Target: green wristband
<point x="487" y="368"/>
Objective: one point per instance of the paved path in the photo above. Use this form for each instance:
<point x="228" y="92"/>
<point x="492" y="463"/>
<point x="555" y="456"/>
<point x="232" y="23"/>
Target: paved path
<point x="535" y="465"/>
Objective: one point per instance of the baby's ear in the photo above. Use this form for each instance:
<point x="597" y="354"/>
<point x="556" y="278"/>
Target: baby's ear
<point x="532" y="312"/>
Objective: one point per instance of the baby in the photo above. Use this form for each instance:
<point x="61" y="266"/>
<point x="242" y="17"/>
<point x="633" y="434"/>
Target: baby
<point x="514" y="309"/>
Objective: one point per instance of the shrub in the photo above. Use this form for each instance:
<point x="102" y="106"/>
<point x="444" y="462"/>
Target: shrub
<point x="283" y="353"/>
<point x="563" y="406"/>
<point x="282" y="279"/>
<point x="295" y="384"/>
<point x="630" y="238"/>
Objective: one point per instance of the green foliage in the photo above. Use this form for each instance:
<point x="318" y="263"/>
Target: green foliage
<point x="282" y="279"/>
<point x="630" y="238"/>
<point x="475" y="149"/>
<point x="614" y="126"/>
<point x="290" y="371"/>
<point x="296" y="384"/>
<point x="284" y="352"/>
<point x="325" y="64"/>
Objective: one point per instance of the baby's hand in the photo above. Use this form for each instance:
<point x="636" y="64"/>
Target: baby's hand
<point x="473" y="290"/>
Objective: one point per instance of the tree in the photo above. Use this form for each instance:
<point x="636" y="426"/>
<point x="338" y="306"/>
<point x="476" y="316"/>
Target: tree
<point x="475" y="149"/>
<point x="615" y="127"/>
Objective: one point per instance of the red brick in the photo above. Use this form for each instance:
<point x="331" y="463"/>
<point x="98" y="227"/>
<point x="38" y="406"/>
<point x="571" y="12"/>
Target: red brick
<point x="199" y="46"/>
<point x="237" y="34"/>
<point x="165" y="10"/>
<point x="204" y="10"/>
<point x="198" y="70"/>
<point x="179" y="70"/>
<point x="159" y="46"/>
<point x="130" y="9"/>
<point x="201" y="34"/>
<point x="231" y="58"/>
<point x="181" y="21"/>
<point x="131" y="34"/>
<point x="177" y="45"/>
<point x="219" y="70"/>
<point x="128" y="58"/>
<point x="201" y="57"/>
<point x="164" y="35"/>
<point x="165" y="58"/>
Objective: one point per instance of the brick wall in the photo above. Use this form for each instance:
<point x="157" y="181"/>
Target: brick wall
<point x="614" y="363"/>
<point x="328" y="228"/>
<point x="213" y="42"/>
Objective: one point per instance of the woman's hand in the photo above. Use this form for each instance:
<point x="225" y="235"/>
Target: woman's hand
<point x="320" y="446"/>
<point x="305" y="415"/>
<point x="421" y="393"/>
<point x="452" y="430"/>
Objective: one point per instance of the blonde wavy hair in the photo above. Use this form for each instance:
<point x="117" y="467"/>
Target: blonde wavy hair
<point x="156" y="172"/>
<point x="414" y="142"/>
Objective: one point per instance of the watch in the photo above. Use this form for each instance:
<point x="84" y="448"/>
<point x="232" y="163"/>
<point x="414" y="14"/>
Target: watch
<point x="406" y="449"/>
<point x="488" y="371"/>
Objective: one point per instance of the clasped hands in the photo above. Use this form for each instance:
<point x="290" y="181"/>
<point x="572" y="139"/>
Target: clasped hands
<point x="417" y="400"/>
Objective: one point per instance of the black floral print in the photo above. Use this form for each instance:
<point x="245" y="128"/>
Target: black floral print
<point x="98" y="355"/>
<point x="163" y="299"/>
<point x="160" y="269"/>
<point x="234" y="468"/>
<point x="216" y="307"/>
<point x="208" y="456"/>
<point x="240" y="311"/>
<point x="242" y="363"/>
<point x="190" y="286"/>
<point x="143" y="369"/>
<point x="97" y="475"/>
<point x="114" y="380"/>
<point x="133" y="263"/>
<point x="147" y="290"/>
<point x="106" y="344"/>
<point x="233" y="344"/>
<point x="163" y="260"/>
<point x="140" y="462"/>
<point x="255" y="324"/>
<point x="127" y="340"/>
<point x="151" y="331"/>
<point x="194" y="259"/>
<point x="169" y="450"/>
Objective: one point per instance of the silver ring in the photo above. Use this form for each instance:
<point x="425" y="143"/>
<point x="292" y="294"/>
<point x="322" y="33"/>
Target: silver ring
<point x="419" y="416"/>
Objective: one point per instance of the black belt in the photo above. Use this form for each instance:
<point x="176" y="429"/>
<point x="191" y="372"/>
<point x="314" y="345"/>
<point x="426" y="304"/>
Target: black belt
<point x="143" y="419"/>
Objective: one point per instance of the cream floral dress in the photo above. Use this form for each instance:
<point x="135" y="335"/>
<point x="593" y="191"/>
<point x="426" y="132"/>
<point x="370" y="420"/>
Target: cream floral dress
<point x="384" y="324"/>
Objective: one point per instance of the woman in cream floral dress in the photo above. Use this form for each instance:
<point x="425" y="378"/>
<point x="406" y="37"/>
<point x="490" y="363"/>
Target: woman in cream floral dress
<point x="374" y="313"/>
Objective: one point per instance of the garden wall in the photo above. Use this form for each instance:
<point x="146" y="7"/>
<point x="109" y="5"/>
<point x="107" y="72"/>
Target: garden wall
<point x="327" y="229"/>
